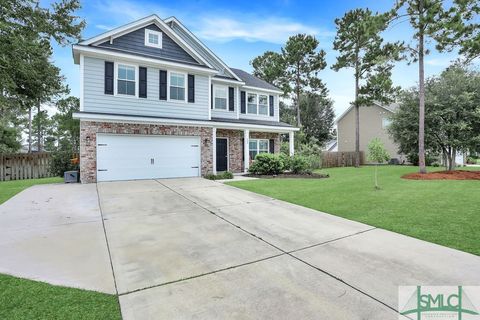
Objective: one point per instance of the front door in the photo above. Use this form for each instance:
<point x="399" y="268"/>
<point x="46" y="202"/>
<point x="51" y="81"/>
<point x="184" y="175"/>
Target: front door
<point x="222" y="154"/>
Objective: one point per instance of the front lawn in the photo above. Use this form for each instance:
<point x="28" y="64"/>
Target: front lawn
<point x="10" y="188"/>
<point x="27" y="299"/>
<point x="440" y="211"/>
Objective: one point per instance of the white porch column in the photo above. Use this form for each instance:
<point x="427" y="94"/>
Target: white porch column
<point x="291" y="143"/>
<point x="214" y="150"/>
<point x="246" y="148"/>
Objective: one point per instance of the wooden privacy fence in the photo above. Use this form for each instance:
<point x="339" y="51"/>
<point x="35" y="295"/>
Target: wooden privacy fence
<point x="24" y="166"/>
<point x="340" y="159"/>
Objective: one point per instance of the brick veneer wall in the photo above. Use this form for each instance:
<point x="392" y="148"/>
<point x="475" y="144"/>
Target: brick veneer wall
<point x="235" y="147"/>
<point x="88" y="143"/>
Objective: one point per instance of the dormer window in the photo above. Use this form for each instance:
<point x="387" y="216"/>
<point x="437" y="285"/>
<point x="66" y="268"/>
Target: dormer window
<point x="153" y="38"/>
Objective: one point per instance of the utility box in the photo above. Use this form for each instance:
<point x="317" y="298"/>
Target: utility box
<point x="71" y="176"/>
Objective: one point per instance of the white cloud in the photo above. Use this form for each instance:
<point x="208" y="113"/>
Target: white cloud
<point x="439" y="62"/>
<point x="273" y="29"/>
<point x="125" y="11"/>
<point x="103" y="27"/>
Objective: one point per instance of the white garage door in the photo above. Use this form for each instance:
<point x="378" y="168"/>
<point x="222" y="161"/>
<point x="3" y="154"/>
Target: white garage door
<point x="128" y="157"/>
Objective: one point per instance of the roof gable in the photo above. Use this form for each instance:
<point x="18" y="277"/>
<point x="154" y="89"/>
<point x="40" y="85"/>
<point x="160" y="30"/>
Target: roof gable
<point x="392" y="108"/>
<point x="122" y="33"/>
<point x="134" y="41"/>
<point x="201" y="48"/>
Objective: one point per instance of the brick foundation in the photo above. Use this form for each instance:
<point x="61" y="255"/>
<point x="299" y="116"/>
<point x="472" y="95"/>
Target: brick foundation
<point x="235" y="145"/>
<point x="88" y="143"/>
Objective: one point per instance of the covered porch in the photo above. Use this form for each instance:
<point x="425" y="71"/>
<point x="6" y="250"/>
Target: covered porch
<point x="232" y="146"/>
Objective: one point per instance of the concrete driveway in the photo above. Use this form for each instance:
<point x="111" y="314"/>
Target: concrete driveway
<point x="197" y="249"/>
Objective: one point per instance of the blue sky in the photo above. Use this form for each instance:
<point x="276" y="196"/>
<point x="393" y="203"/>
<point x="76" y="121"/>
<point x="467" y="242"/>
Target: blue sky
<point x="238" y="31"/>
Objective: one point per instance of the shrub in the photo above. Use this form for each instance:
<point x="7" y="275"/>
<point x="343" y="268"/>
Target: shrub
<point x="61" y="162"/>
<point x="267" y="163"/>
<point x="220" y="176"/>
<point x="299" y="164"/>
<point x="287" y="161"/>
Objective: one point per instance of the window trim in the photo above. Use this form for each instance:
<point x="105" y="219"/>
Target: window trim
<point x="216" y="86"/>
<point x="115" y="82"/>
<point x="258" y="146"/>
<point x="258" y="94"/>
<point x="246" y="102"/>
<point x="387" y="121"/>
<point x="185" y="86"/>
<point x="267" y="105"/>
<point x="147" y="36"/>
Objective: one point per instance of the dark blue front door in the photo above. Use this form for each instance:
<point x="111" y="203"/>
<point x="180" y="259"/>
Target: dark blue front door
<point x="222" y="154"/>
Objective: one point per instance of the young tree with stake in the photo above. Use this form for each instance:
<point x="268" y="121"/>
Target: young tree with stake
<point x="378" y="155"/>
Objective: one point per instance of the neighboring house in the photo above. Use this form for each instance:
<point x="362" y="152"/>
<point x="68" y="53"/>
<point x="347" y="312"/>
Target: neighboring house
<point x="374" y="122"/>
<point x="331" y="146"/>
<point x="155" y="102"/>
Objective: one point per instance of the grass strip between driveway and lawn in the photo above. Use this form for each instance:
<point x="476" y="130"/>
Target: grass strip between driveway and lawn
<point x="10" y="188"/>
<point x="445" y="212"/>
<point x="28" y="299"/>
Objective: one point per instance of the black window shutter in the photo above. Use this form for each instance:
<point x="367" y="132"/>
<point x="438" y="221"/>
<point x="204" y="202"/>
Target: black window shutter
<point x="191" y="88"/>
<point x="272" y="108"/>
<point x="243" y="149"/>
<point x="271" y="146"/>
<point x="163" y="85"/>
<point x="142" y="83"/>
<point x="108" y="77"/>
<point x="211" y="96"/>
<point x="242" y="102"/>
<point x="231" y="99"/>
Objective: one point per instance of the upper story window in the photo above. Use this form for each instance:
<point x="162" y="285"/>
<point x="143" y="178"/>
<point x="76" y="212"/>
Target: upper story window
<point x="252" y="106"/>
<point x="257" y="104"/>
<point x="386" y="123"/>
<point x="220" y="97"/>
<point x="177" y="86"/>
<point x="153" y="38"/>
<point x="263" y="105"/>
<point x="126" y="79"/>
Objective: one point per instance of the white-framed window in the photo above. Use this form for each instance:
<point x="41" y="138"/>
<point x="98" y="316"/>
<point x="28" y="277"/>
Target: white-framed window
<point x="177" y="86"/>
<point x="252" y="103"/>
<point x="153" y="38"/>
<point x="220" y="96"/>
<point x="263" y="105"/>
<point x="386" y="123"/>
<point x="126" y="79"/>
<point x="257" y="146"/>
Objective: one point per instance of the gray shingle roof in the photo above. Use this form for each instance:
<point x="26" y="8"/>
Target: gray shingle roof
<point x="257" y="122"/>
<point x="253" y="81"/>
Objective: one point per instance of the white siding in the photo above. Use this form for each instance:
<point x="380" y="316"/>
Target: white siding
<point x="225" y="113"/>
<point x="96" y="101"/>
<point x="262" y="117"/>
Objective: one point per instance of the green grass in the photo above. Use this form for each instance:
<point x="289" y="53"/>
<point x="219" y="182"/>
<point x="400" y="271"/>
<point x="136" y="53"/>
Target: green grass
<point x="10" y="188"/>
<point x="440" y="211"/>
<point x="27" y="299"/>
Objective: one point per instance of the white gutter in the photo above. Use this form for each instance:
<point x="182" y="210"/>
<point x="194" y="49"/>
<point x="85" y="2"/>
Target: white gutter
<point x="189" y="123"/>
<point x="262" y="89"/>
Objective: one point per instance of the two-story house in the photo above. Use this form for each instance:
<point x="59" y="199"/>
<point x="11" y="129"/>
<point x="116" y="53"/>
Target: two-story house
<point x="155" y="102"/>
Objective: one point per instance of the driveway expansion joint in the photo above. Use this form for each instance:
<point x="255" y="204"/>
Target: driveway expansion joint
<point x="291" y="255"/>
<point x="108" y="248"/>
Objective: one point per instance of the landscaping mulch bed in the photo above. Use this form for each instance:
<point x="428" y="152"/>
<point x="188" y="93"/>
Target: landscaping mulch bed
<point x="289" y="175"/>
<point x="444" y="175"/>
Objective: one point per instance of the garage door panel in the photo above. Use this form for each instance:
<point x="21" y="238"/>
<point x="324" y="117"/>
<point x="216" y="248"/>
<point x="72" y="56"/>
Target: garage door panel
<point x="128" y="157"/>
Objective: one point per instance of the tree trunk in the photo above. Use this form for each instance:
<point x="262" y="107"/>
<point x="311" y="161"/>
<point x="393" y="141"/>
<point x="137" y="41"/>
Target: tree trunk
<point x="39" y="134"/>
<point x="29" y="129"/>
<point x="299" y="122"/>
<point x="357" y="124"/>
<point x="421" y="93"/>
<point x="376" y="178"/>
